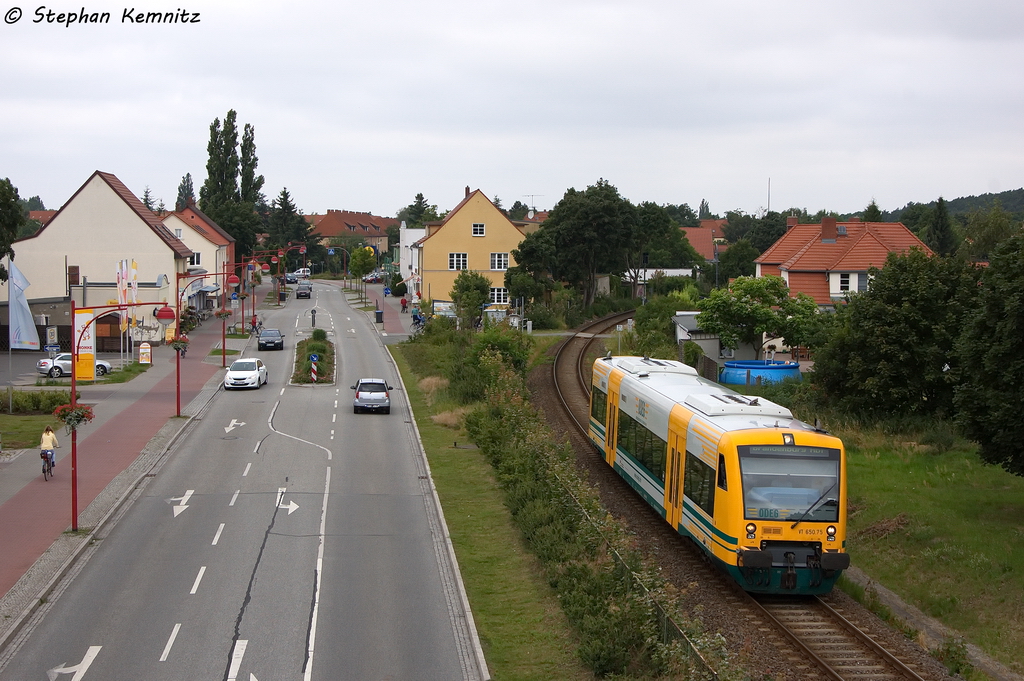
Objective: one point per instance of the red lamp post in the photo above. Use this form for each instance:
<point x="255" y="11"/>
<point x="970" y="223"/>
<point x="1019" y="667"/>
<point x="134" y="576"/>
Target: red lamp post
<point x="75" y="342"/>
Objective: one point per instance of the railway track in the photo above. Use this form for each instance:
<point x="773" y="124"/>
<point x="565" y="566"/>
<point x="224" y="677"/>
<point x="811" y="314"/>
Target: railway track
<point x="822" y="642"/>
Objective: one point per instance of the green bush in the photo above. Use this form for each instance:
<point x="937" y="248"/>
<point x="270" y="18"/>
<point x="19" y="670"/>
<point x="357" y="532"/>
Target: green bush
<point x="692" y="352"/>
<point x="36" y="401"/>
<point x="319" y="335"/>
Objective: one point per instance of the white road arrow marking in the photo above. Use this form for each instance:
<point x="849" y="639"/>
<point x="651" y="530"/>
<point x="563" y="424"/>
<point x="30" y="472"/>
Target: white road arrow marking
<point x="184" y="502"/>
<point x="291" y="505"/>
<point x="79" y="669"/>
<point x="234" y="424"/>
<point x="236" y="658"/>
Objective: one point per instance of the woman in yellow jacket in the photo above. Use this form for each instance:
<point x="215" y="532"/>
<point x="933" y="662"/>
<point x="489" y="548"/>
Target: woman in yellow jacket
<point x="48" y="443"/>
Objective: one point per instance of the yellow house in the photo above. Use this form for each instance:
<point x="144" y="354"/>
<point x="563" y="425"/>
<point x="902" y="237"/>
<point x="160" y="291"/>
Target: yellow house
<point x="476" y="236"/>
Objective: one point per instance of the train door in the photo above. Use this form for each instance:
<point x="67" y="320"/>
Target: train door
<point x="613" y="427"/>
<point x="674" y="483"/>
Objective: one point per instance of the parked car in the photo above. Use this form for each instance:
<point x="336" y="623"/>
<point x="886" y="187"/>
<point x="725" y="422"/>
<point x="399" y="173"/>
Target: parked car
<point x="271" y="339"/>
<point x="304" y="290"/>
<point x="249" y="372"/>
<point x="371" y="395"/>
<point x="374" y="278"/>
<point x="61" y="366"/>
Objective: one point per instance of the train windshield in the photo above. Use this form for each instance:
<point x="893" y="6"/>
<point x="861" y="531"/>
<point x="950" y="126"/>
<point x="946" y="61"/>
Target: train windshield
<point x="787" y="482"/>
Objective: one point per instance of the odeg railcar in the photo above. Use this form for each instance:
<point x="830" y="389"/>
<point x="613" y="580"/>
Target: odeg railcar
<point x="763" y="494"/>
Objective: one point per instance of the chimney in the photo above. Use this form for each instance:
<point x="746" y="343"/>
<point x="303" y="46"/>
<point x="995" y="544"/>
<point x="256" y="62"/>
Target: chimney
<point x="467" y="191"/>
<point x="828" y="229"/>
<point x="791" y="221"/>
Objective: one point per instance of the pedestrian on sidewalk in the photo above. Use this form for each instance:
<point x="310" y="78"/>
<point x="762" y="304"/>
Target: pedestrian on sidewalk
<point x="405" y="304"/>
<point x="47" y="443"/>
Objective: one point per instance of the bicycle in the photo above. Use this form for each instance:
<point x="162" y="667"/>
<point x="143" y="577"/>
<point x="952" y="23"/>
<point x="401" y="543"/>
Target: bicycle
<point x="46" y="455"/>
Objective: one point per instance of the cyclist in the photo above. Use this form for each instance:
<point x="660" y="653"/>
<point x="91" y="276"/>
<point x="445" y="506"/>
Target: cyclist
<point x="47" y="444"/>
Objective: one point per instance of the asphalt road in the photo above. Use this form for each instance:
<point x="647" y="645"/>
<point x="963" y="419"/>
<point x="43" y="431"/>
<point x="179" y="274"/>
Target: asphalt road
<point x="284" y="538"/>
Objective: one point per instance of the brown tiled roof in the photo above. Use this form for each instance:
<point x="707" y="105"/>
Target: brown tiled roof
<point x="341" y="223"/>
<point x="41" y="216"/>
<point x="195" y="217"/>
<point x="813" y="284"/>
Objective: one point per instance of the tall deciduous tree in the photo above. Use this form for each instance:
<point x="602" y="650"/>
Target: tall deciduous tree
<point x="892" y="351"/>
<point x="186" y="193"/>
<point x="250" y="183"/>
<point x="985" y="230"/>
<point x="221" y="185"/>
<point x="991" y="350"/>
<point x="11" y="219"/>
<point x="752" y="308"/>
<point x="590" y="232"/>
<point x="469" y="292"/>
<point x="651" y="225"/>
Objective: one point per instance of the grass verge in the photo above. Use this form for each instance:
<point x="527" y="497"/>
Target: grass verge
<point x="22" y="431"/>
<point x="523" y="631"/>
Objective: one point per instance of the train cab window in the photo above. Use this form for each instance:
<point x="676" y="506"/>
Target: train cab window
<point x="699" y="483"/>
<point x="721" y="472"/>
<point x="599" y="405"/>
<point x="789" y="482"/>
<point x="646" y="448"/>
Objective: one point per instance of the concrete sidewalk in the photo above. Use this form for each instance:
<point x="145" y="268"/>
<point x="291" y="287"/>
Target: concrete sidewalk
<point x="135" y="425"/>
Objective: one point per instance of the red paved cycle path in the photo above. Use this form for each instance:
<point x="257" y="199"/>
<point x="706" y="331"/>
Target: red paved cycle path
<point x="34" y="518"/>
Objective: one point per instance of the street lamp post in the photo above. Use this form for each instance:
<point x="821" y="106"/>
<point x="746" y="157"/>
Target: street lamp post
<point x="75" y="342"/>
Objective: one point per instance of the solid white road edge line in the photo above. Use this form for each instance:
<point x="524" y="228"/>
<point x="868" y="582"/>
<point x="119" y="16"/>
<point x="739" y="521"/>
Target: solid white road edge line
<point x="308" y="672"/>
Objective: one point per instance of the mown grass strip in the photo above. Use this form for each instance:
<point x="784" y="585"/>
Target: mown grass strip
<point x="521" y="626"/>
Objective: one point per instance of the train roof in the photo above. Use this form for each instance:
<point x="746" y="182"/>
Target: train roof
<point x="680" y="383"/>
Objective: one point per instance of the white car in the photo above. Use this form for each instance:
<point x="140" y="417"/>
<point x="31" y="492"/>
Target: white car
<point x="248" y="372"/>
<point x="61" y="366"/>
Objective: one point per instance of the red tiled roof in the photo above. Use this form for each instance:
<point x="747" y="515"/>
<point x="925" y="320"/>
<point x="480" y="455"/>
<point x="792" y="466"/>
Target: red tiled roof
<point x="813" y="284"/>
<point x="195" y="217"/>
<point x="865" y="244"/>
<point x="702" y="238"/>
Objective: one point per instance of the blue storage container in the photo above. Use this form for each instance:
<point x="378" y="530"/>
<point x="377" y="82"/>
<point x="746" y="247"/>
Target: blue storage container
<point x="736" y="373"/>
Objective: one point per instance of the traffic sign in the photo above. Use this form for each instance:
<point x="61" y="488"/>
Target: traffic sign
<point x="302" y="250"/>
<point x="234" y="296"/>
<point x="330" y="251"/>
<point x="314" y="358"/>
<point x="51" y="348"/>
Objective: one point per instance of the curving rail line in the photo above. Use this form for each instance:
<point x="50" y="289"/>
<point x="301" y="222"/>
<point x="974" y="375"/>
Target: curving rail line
<point x="834" y="645"/>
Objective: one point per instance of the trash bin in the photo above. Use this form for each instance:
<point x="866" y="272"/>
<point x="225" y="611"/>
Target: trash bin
<point x="282" y="296"/>
<point x="380" y="316"/>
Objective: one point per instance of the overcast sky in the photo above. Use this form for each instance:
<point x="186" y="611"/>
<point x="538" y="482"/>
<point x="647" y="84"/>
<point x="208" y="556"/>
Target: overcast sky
<point x="359" y="106"/>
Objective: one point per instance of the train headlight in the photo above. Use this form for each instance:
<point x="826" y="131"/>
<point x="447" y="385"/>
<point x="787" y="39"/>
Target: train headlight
<point x="831" y="532"/>
<point x="751" y="529"/>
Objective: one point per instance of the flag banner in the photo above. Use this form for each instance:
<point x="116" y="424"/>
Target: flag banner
<point x="23" y="334"/>
<point x="83" y="331"/>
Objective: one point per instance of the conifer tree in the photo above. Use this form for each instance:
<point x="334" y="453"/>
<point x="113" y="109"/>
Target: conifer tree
<point x="186" y="193"/>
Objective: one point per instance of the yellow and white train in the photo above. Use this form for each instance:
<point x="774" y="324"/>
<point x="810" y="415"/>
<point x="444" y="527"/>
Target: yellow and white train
<point x="761" y="492"/>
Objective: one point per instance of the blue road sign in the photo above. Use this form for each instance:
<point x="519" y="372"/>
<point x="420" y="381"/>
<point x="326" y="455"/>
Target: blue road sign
<point x="387" y="291"/>
<point x="330" y="251"/>
<point x="51" y="348"/>
<point x="234" y="296"/>
<point x="314" y="358"/>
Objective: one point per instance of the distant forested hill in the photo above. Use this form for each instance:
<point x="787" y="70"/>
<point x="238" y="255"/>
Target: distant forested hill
<point x="1012" y="201"/>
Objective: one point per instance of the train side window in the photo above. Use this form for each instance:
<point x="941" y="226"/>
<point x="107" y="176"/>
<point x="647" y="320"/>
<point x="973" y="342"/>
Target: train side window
<point x="649" y="450"/>
<point x="721" y="472"/>
<point x="599" y="405"/>
<point x="698" y="483"/>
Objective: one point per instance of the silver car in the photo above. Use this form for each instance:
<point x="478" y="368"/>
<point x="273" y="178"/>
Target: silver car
<point x="372" y="395"/>
<point x="61" y="366"/>
<point x="250" y="372"/>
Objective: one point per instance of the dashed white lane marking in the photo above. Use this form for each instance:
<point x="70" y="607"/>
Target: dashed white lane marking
<point x="334" y="418"/>
<point x="247" y="467"/>
<point x="234" y="497"/>
<point x="236" y="658"/>
<point x="170" y="642"/>
<point x="216" y="537"/>
<point x="199" y="577"/>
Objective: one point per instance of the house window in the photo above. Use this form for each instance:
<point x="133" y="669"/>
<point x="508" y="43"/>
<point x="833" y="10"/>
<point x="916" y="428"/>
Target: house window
<point x="862" y="282"/>
<point x="193" y="260"/>
<point x="844" y="282"/>
<point x="499" y="261"/>
<point x="478" y="229"/>
<point x="458" y="261"/>
<point x="499" y="295"/>
<point x="177" y="232"/>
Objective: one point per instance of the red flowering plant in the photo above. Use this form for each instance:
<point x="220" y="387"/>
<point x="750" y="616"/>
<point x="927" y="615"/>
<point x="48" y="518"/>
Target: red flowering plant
<point x="72" y="417"/>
